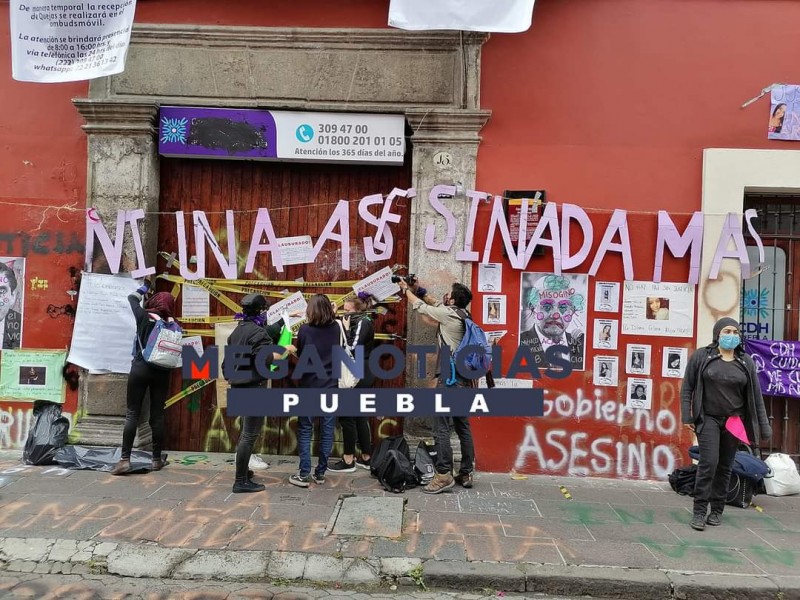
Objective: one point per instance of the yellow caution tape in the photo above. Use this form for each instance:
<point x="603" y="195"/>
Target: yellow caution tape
<point x="206" y="320"/>
<point x="197" y="385"/>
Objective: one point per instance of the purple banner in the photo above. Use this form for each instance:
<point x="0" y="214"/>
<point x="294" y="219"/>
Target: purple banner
<point x="220" y="132"/>
<point x="778" y="366"/>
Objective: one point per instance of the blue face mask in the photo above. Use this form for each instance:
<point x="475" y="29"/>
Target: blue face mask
<point x="729" y="341"/>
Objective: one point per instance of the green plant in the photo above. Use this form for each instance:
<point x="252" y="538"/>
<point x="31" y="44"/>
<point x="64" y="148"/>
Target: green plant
<point x="416" y="575"/>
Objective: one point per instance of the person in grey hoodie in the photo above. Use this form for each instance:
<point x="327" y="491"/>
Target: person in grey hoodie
<point x="720" y="383"/>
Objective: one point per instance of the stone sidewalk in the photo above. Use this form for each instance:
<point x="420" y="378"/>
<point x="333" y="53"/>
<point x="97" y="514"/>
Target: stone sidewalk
<point x="556" y="535"/>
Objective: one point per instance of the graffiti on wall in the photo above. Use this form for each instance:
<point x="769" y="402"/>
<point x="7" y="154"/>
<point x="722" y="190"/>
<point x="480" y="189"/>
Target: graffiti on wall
<point x="599" y="436"/>
<point x="42" y="243"/>
<point x="15" y="423"/>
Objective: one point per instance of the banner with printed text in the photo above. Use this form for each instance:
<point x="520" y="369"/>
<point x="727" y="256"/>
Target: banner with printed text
<point x="777" y="365"/>
<point x="53" y="43"/>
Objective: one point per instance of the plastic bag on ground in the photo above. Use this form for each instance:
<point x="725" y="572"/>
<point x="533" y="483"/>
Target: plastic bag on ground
<point x="47" y="434"/>
<point x="95" y="458"/>
<point x="784" y="479"/>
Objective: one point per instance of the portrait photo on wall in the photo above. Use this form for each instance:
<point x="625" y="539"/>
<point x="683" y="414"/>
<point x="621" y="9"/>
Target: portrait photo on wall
<point x="640" y="393"/>
<point x="606" y="371"/>
<point x="674" y="362"/>
<point x="784" y="113"/>
<point x="32" y="375"/>
<point x="494" y="310"/>
<point x="663" y="309"/>
<point x="606" y="334"/>
<point x="12" y="291"/>
<point x="606" y="296"/>
<point x="553" y="312"/>
<point x="637" y="359"/>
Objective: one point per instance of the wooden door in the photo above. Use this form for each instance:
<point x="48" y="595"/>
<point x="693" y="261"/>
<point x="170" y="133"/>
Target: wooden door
<point x="300" y="198"/>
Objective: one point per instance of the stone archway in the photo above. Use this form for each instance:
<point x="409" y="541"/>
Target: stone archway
<point x="431" y="77"/>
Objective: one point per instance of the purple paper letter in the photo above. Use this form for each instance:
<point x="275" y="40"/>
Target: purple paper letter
<point x="143" y="270"/>
<point x="112" y="251"/>
<point x="468" y="254"/>
<point x="498" y="221"/>
<point x="341" y="217"/>
<point x="439" y="207"/>
<point x="549" y="221"/>
<point x="732" y="230"/>
<point x="571" y="212"/>
<point x="679" y="244"/>
<point x="263" y="227"/>
<point x="617" y="224"/>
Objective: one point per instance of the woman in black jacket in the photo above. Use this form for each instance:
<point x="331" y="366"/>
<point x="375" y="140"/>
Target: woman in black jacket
<point x="144" y="377"/>
<point x="360" y="332"/>
<point x="720" y="384"/>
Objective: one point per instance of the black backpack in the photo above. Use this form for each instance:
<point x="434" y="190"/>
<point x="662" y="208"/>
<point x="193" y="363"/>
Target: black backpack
<point x="740" y="489"/>
<point x="396" y="442"/>
<point x="396" y="473"/>
<point x="682" y="480"/>
<point x="425" y="462"/>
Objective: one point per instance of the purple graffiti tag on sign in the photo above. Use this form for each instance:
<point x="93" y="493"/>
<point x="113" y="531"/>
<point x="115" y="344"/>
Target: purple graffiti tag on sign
<point x="778" y="366"/>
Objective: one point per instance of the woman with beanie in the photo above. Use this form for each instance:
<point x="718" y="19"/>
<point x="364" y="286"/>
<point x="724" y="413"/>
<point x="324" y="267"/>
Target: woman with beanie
<point x="720" y="385"/>
<point x="144" y="377"/>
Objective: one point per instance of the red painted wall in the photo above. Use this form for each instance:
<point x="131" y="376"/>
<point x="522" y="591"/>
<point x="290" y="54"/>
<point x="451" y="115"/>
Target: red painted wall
<point x="42" y="164"/>
<point x="603" y="103"/>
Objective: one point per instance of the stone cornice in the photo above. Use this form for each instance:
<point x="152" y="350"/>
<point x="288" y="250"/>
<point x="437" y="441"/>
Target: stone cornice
<point x="295" y="38"/>
<point x="447" y="125"/>
<point x="115" y="117"/>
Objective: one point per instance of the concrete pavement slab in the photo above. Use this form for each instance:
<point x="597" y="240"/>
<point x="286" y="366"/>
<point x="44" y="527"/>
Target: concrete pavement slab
<point x="540" y="527"/>
<point x="599" y="583"/>
<point x="719" y="587"/>
<point x="145" y="561"/>
<point x="473" y="576"/>
<point x="610" y="554"/>
<point x="374" y="517"/>
<point x="222" y="565"/>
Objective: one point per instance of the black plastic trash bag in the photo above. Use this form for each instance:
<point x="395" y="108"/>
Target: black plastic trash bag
<point x="47" y="434"/>
<point x="95" y="458"/>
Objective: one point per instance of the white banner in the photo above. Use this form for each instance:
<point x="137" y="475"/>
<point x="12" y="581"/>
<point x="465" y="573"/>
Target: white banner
<point x="52" y="43"/>
<point x="504" y="16"/>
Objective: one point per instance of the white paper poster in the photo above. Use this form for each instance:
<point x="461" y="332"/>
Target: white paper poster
<point x="294" y="303"/>
<point x="494" y="310"/>
<point x="606" y="371"/>
<point x="490" y="277"/>
<point x="69" y="41"/>
<point x="637" y="359"/>
<point x="193" y="341"/>
<point x="379" y="284"/>
<point x="508" y="384"/>
<point x="508" y="16"/>
<point x="105" y="329"/>
<point x="674" y="362"/>
<point x="222" y="331"/>
<point x="12" y="300"/>
<point x="297" y="250"/>
<point x="665" y="309"/>
<point x="640" y="393"/>
<point x="553" y="312"/>
<point x="606" y="296"/>
<point x="195" y="301"/>
<point x="606" y="334"/>
<point x="493" y="337"/>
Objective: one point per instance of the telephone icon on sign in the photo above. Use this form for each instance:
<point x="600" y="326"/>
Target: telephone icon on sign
<point x="304" y="133"/>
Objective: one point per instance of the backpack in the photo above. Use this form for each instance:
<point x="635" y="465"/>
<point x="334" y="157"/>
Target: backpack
<point x="741" y="489"/>
<point x="473" y="336"/>
<point x="396" y="474"/>
<point x="396" y="442"/>
<point x="424" y="462"/>
<point x="682" y="480"/>
<point x="163" y="347"/>
<point x="744" y="464"/>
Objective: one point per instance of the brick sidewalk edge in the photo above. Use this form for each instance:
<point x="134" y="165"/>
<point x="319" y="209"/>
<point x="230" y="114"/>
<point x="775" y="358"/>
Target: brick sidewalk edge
<point x="53" y="556"/>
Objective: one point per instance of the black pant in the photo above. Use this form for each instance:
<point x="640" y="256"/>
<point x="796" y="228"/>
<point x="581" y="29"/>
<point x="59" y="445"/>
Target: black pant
<point x="143" y="377"/>
<point x="353" y="427"/>
<point x="717" y="453"/>
<point x="251" y="428"/>
<point x="444" y="451"/>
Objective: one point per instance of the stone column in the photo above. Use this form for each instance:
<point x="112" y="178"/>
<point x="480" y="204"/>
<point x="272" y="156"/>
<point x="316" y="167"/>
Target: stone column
<point x="455" y="134"/>
<point x="122" y="174"/>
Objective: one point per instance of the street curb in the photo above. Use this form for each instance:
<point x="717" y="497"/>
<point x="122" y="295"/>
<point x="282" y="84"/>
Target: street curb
<point x="53" y="556"/>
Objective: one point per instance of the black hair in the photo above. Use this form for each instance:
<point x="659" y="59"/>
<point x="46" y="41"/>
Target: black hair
<point x="12" y="277"/>
<point x="460" y="295"/>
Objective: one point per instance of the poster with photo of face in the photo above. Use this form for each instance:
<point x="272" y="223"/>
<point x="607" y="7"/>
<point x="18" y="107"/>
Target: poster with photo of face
<point x="637" y="359"/>
<point x="494" y="310"/>
<point x="606" y="371"/>
<point x="606" y="334"/>
<point x="665" y="309"/>
<point x="674" y="362"/>
<point x="640" y="393"/>
<point x="12" y="290"/>
<point x="606" y="296"/>
<point x="553" y="311"/>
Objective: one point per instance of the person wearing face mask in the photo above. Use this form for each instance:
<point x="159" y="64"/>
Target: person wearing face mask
<point x="720" y="383"/>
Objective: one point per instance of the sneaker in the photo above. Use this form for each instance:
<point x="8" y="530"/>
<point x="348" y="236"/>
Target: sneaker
<point x="342" y="467"/>
<point x="464" y="480"/>
<point x="698" y="522"/>
<point x="244" y="487"/>
<point x="257" y="463"/>
<point x="714" y="519"/>
<point x="300" y="480"/>
<point x="440" y="483"/>
<point x="319" y="478"/>
<point x="364" y="463"/>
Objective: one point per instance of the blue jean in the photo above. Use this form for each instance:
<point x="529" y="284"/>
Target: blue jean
<point x="304" y="428"/>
